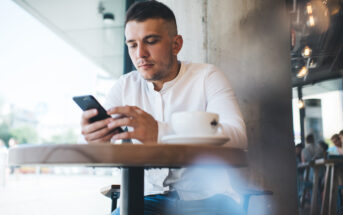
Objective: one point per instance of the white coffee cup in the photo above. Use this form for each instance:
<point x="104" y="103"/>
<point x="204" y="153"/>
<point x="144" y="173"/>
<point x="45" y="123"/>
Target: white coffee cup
<point x="195" y="123"/>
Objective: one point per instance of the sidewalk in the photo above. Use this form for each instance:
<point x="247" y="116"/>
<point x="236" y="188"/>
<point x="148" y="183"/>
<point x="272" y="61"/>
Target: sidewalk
<point x="55" y="194"/>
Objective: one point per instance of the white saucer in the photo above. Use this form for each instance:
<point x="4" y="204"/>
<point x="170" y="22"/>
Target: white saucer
<point x="204" y="140"/>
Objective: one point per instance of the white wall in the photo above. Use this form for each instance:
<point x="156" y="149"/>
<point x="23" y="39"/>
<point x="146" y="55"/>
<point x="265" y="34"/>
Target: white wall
<point x="332" y="111"/>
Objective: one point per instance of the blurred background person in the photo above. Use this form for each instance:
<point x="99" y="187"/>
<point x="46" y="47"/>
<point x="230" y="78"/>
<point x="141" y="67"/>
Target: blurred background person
<point x="300" y="171"/>
<point x="337" y="148"/>
<point x="324" y="146"/>
<point x="312" y="150"/>
<point x="298" y="148"/>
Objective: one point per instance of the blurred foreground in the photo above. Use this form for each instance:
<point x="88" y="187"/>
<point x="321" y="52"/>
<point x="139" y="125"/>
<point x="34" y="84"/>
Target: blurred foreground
<point x="67" y="190"/>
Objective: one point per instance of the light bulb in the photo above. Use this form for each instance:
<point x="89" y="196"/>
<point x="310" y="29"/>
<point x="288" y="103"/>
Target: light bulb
<point x="302" y="72"/>
<point x="301" y="104"/>
<point x="311" y="21"/>
<point x="306" y="52"/>
<point x="309" y="8"/>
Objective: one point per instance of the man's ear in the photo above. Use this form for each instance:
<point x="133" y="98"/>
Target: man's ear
<point x="177" y="44"/>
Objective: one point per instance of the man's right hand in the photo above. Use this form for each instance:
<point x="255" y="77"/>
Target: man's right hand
<point x="96" y="132"/>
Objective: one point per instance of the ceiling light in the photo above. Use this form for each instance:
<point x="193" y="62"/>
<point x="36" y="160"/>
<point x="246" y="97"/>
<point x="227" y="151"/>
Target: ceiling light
<point x="301" y="104"/>
<point x="306" y="52"/>
<point x="108" y="18"/>
<point x="302" y="72"/>
<point x="309" y="8"/>
<point x="310" y="21"/>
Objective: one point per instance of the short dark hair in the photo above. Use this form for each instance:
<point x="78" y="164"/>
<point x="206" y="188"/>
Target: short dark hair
<point x="341" y="133"/>
<point x="324" y="145"/>
<point x="310" y="138"/>
<point x="141" y="11"/>
<point x="335" y="136"/>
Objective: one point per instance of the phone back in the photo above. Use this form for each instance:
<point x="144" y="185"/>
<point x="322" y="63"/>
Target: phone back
<point x="88" y="102"/>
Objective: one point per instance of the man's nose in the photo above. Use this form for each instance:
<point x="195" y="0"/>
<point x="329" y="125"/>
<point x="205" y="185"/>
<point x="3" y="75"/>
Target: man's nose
<point x="142" y="52"/>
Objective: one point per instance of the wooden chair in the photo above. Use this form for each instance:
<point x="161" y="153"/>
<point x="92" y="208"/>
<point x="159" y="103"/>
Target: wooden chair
<point x="113" y="192"/>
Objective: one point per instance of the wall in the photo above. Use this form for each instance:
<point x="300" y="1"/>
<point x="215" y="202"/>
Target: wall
<point x="332" y="106"/>
<point x="249" y="41"/>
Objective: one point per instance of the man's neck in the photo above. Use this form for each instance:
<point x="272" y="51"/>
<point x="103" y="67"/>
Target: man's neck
<point x="173" y="74"/>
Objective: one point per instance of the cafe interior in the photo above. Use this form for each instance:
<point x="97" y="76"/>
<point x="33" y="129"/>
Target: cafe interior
<point x="284" y="60"/>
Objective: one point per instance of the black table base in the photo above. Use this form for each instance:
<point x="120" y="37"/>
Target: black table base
<point x="132" y="193"/>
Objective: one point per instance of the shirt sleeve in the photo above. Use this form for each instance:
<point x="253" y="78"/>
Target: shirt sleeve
<point x="221" y="100"/>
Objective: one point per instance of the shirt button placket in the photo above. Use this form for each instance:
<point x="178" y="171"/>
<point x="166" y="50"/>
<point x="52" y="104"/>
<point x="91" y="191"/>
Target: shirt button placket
<point x="159" y="107"/>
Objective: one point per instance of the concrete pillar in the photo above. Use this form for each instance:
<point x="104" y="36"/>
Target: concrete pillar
<point x="249" y="41"/>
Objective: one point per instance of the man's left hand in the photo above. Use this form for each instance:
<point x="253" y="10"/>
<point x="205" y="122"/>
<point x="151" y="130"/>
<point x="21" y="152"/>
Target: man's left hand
<point x="145" y="127"/>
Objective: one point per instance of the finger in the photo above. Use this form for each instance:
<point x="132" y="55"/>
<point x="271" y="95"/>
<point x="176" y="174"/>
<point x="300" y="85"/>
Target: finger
<point x="98" y="134"/>
<point x="104" y="139"/>
<point x="124" y="135"/>
<point x="89" y="128"/>
<point x="86" y="115"/>
<point x="125" y="110"/>
<point x="118" y="116"/>
<point x="127" y="121"/>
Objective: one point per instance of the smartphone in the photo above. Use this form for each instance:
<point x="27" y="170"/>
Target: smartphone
<point x="89" y="102"/>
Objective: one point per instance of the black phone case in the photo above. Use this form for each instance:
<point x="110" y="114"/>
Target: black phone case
<point x="89" y="102"/>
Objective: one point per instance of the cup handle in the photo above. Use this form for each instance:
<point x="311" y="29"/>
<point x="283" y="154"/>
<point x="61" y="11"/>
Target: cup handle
<point x="220" y="129"/>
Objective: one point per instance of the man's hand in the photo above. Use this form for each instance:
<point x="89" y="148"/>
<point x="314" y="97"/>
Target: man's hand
<point x="145" y="127"/>
<point x="96" y="132"/>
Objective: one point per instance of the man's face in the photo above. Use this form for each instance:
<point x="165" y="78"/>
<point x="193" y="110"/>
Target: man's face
<point x="337" y="142"/>
<point x="151" y="48"/>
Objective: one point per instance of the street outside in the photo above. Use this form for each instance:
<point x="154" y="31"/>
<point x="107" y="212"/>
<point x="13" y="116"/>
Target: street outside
<point x="72" y="191"/>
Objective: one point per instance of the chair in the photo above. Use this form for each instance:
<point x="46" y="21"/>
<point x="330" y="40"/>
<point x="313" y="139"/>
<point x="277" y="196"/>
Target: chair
<point x="247" y="193"/>
<point x="113" y="192"/>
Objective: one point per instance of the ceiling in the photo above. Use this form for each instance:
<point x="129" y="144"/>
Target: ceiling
<point x="325" y="39"/>
<point x="80" y="23"/>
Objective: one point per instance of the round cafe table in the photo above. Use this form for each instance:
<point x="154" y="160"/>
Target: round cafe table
<point x="133" y="158"/>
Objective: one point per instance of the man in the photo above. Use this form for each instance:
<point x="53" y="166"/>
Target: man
<point x="161" y="86"/>
<point x="311" y="150"/>
<point x="337" y="149"/>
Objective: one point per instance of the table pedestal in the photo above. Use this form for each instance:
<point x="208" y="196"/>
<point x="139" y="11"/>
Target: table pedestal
<point x="132" y="193"/>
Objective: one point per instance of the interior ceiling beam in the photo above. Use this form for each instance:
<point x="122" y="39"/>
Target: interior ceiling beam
<point x="317" y="77"/>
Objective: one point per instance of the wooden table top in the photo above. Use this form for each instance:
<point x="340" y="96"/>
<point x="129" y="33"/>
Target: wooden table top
<point x="126" y="155"/>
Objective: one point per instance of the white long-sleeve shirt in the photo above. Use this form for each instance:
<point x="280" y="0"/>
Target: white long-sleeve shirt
<point x="197" y="87"/>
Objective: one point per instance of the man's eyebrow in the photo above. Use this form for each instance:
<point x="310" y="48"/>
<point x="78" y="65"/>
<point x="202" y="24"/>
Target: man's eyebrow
<point x="129" y="41"/>
<point x="155" y="36"/>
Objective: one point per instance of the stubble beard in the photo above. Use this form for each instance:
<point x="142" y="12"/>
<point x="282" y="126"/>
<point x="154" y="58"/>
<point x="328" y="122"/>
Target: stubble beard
<point x="163" y="72"/>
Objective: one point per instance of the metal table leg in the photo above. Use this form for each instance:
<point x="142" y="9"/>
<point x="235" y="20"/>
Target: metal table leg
<point x="333" y="191"/>
<point x="315" y="186"/>
<point x="132" y="193"/>
<point x="325" y="200"/>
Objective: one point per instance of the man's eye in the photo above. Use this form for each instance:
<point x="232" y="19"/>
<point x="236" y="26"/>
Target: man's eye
<point x="131" y="46"/>
<point x="152" y="41"/>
